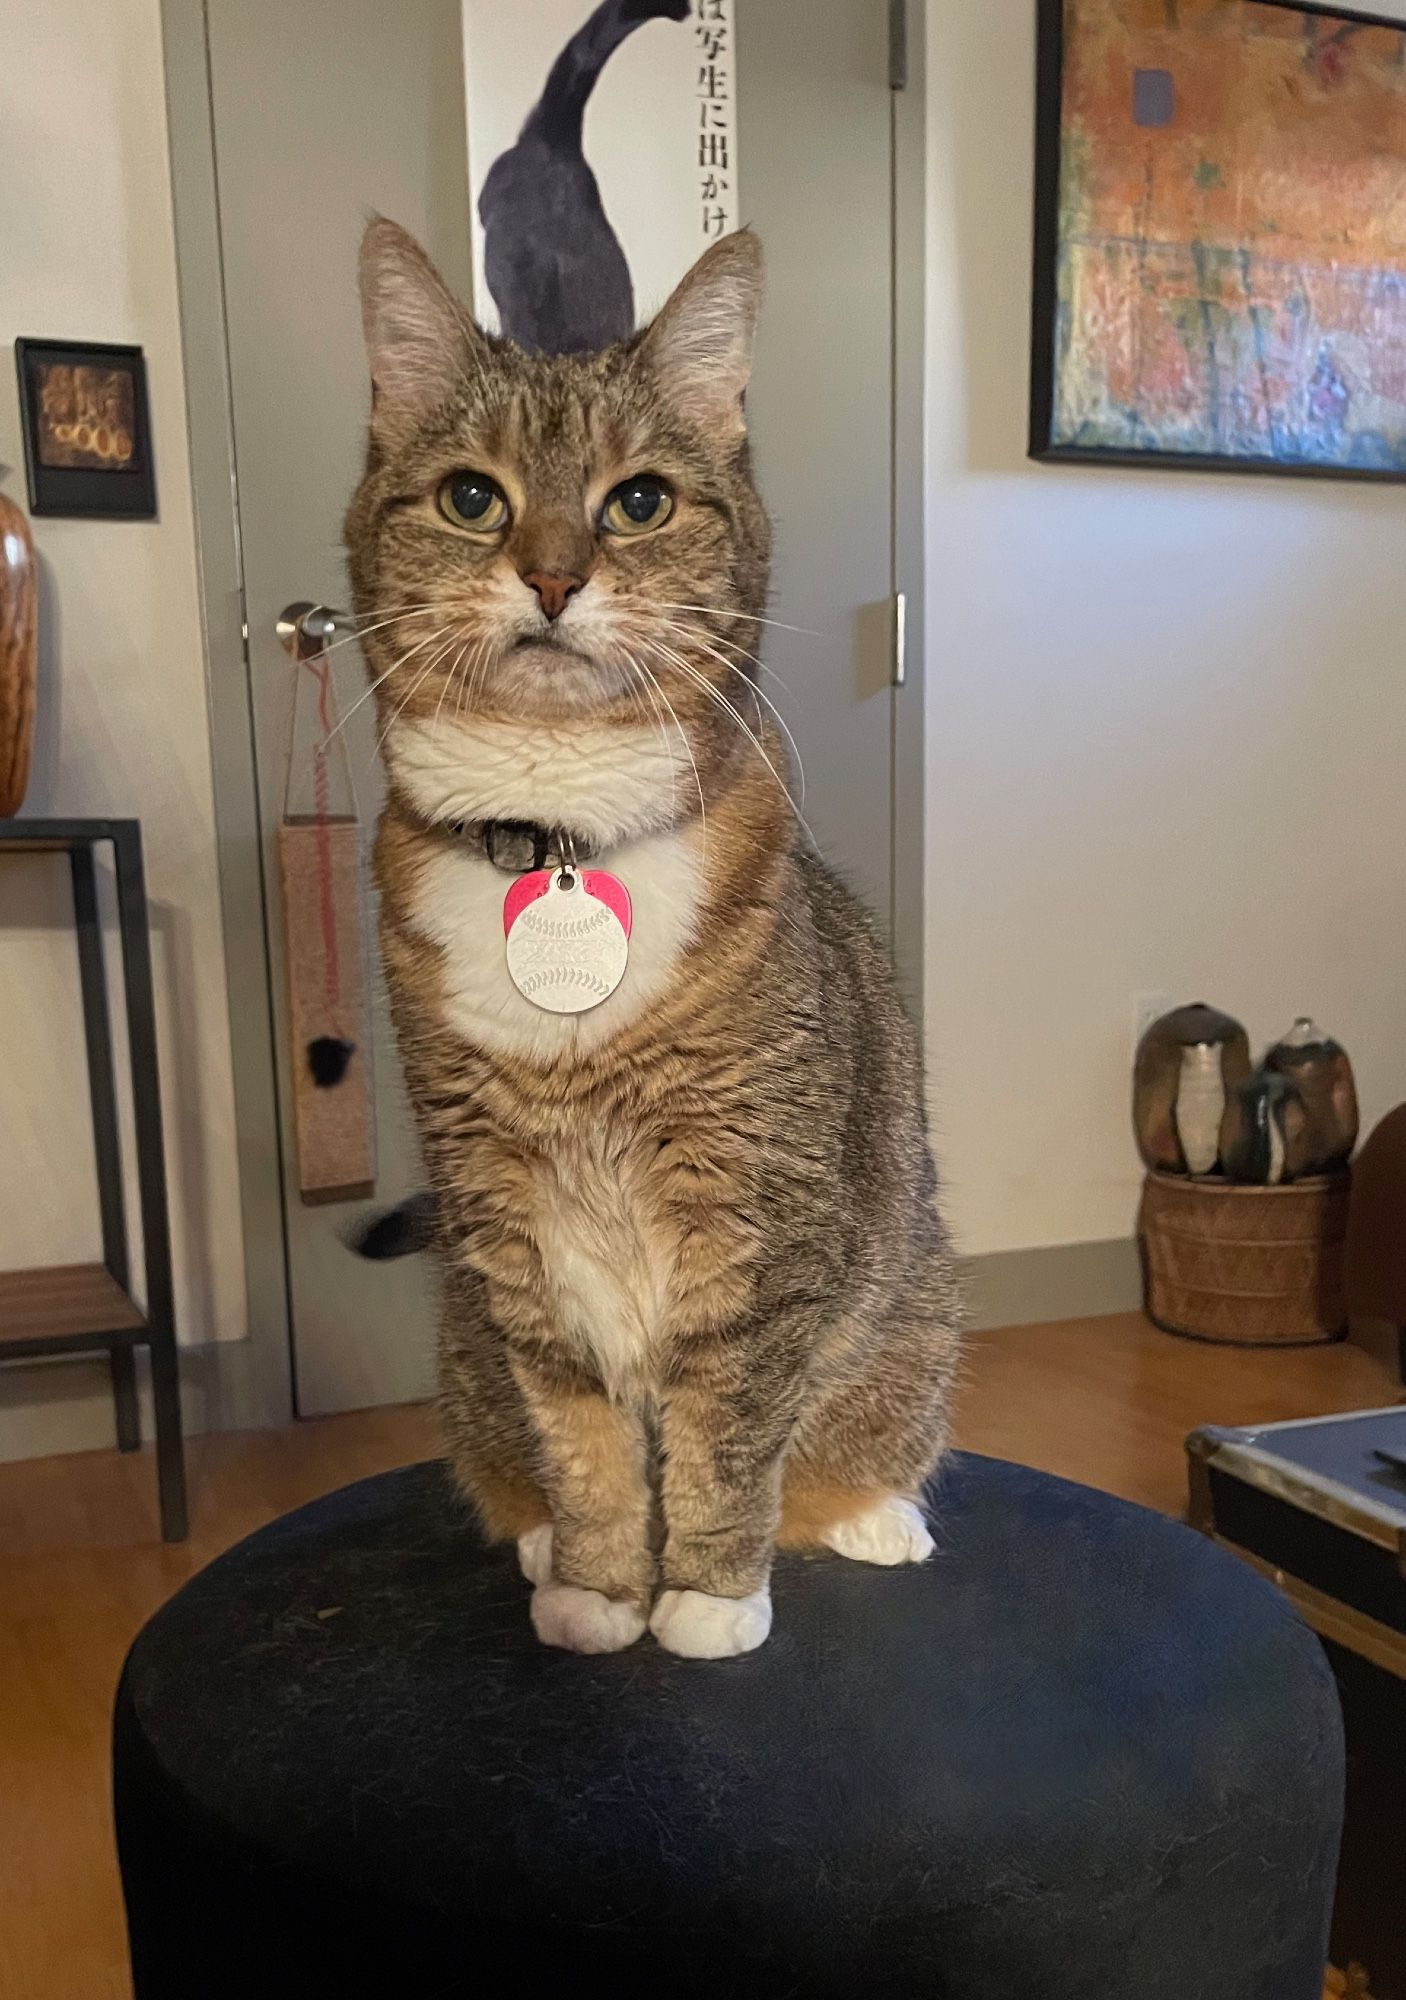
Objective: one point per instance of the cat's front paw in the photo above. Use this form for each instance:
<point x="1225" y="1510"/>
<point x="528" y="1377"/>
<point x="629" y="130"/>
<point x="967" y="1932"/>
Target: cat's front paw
<point x="584" y="1621"/>
<point x="700" y="1627"/>
<point x="894" y="1532"/>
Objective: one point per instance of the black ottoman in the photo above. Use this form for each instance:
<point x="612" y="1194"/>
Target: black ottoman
<point x="1081" y="1752"/>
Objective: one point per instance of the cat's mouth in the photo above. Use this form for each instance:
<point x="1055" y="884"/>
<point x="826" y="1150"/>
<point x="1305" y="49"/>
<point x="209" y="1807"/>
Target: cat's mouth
<point x="547" y="642"/>
<point x="545" y="674"/>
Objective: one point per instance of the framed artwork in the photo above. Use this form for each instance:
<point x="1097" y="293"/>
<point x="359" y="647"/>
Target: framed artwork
<point x="1220" y="254"/>
<point x="87" y="430"/>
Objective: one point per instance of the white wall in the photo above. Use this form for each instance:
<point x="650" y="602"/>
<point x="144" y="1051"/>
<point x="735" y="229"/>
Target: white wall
<point x="1168" y="714"/>
<point x="87" y="251"/>
<point x="1167" y="727"/>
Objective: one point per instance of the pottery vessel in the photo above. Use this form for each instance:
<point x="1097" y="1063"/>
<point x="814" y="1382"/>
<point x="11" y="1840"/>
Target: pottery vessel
<point x="1189" y="1065"/>
<point x="19" y="624"/>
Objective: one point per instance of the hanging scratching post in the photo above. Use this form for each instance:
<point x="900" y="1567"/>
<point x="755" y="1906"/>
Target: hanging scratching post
<point x="319" y="856"/>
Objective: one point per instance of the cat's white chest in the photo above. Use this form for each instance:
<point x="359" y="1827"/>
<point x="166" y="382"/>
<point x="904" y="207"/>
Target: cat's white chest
<point x="604" y="1259"/>
<point x="457" y="905"/>
<point x="601" y="783"/>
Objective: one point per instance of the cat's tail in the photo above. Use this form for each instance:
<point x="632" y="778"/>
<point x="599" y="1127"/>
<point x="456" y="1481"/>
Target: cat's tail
<point x="562" y="106"/>
<point x="399" y="1232"/>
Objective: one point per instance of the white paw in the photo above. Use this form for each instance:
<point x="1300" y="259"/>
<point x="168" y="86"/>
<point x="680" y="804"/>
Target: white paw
<point x="534" y="1553"/>
<point x="893" y="1532"/>
<point x="700" y="1627"/>
<point x="583" y="1621"/>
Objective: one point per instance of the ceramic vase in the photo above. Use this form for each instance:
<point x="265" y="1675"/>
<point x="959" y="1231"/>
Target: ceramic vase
<point x="1265" y="1136"/>
<point x="19" y="624"/>
<point x="1189" y="1065"/>
<point x="1319" y="1070"/>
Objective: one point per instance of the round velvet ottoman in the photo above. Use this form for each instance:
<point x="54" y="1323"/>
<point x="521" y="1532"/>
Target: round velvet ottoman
<point x="1081" y="1752"/>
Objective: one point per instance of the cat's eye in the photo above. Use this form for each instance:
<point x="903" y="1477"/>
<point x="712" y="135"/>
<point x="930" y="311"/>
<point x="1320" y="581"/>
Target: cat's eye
<point x="473" y="500"/>
<point x="637" y="505"/>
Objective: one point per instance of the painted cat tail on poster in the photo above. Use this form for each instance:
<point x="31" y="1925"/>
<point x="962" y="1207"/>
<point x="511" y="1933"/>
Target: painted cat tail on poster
<point x="556" y="270"/>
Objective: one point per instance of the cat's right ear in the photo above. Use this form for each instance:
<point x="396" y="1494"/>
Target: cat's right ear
<point x="419" y="339"/>
<point x="699" y="348"/>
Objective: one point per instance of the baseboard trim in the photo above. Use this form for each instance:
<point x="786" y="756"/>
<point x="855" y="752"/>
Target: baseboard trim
<point x="65" y="1404"/>
<point x="55" y="1406"/>
<point x="1063" y="1281"/>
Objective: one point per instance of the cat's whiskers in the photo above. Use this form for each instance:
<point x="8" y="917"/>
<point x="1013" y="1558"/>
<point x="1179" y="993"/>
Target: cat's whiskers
<point x="409" y="696"/>
<point x="736" y="646"/>
<point x="638" y="677"/>
<point x="760" y="694"/>
<point x="684" y="666"/>
<point x="365" y="631"/>
<point x="434" y="666"/>
<point x="342" y="722"/>
<point x="653" y="680"/>
<point x="448" y="683"/>
<point x="732" y="645"/>
<point x="636" y="699"/>
<point x="382" y="611"/>
<point x="467" y="678"/>
<point x="719" y="611"/>
<point x="379" y="745"/>
<point x="380" y="680"/>
<point x="787" y="916"/>
<point x="481" y="667"/>
<point x="671" y="657"/>
<point x="656" y="607"/>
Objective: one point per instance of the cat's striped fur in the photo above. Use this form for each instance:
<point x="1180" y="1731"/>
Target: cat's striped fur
<point x="698" y="1298"/>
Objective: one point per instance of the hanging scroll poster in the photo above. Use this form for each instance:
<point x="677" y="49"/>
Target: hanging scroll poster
<point x="602" y="155"/>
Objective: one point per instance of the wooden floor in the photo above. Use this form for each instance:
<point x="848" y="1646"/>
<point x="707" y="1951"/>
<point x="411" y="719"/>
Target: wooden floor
<point x="1106" y="1401"/>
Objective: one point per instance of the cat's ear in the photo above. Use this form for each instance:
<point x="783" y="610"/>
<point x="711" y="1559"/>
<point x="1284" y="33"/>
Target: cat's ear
<point x="419" y="339"/>
<point x="700" y="346"/>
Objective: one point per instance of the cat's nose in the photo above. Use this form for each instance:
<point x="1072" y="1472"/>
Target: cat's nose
<point x="555" y="588"/>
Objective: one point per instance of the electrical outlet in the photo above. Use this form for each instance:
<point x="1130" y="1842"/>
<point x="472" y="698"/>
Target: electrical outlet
<point x="1147" y="1008"/>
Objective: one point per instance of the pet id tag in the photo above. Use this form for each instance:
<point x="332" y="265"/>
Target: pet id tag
<point x="568" y="937"/>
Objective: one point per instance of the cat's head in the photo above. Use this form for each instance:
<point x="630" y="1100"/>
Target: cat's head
<point x="552" y="539"/>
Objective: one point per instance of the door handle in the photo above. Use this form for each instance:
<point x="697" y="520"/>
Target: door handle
<point x="306" y="628"/>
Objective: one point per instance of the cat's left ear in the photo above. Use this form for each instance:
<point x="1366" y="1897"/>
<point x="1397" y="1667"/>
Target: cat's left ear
<point x="700" y="345"/>
<point x="419" y="340"/>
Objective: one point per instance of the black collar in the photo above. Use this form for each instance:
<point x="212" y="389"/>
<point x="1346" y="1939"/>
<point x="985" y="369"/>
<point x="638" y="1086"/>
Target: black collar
<point x="517" y="845"/>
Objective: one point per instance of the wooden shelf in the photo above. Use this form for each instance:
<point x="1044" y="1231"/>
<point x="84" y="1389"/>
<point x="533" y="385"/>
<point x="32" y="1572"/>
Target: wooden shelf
<point x="64" y="1305"/>
<point x="81" y="1308"/>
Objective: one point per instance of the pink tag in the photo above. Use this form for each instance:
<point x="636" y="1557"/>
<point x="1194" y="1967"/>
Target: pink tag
<point x="609" y="889"/>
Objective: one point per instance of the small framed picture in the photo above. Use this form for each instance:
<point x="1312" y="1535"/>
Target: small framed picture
<point x="87" y="431"/>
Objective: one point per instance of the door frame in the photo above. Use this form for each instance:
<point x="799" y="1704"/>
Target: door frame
<point x="908" y="139"/>
<point x="253" y="1378"/>
<point x="252" y="1384"/>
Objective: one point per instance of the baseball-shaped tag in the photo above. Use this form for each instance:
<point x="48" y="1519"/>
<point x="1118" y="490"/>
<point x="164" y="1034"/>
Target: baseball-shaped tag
<point x="568" y="937"/>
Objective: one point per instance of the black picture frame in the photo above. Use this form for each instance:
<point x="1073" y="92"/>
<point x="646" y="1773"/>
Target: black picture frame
<point x="1044" y="365"/>
<point x="124" y="487"/>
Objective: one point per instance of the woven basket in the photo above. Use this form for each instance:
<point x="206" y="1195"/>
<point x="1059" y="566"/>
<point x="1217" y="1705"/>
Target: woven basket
<point x="1245" y="1266"/>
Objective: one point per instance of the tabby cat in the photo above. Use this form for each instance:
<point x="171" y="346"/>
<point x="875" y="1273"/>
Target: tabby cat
<point x="697" y="1298"/>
